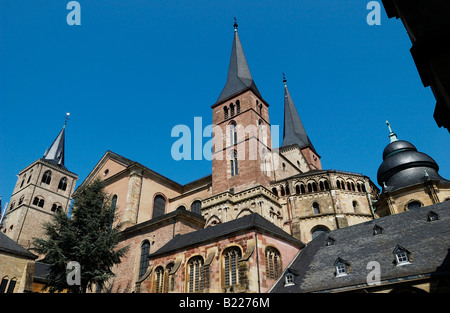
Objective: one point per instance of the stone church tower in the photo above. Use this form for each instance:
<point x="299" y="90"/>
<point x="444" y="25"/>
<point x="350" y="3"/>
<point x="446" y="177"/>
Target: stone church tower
<point x="42" y="188"/>
<point x="241" y="133"/>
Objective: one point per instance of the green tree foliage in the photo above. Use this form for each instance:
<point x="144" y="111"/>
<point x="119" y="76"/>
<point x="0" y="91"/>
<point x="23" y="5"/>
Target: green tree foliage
<point x="86" y="237"/>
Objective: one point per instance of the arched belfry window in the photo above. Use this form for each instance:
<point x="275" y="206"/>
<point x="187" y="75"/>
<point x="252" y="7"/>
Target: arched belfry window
<point x="231" y="109"/>
<point x="231" y="258"/>
<point x="234" y="163"/>
<point x="238" y="107"/>
<point x="159" y="206"/>
<point x="47" y="177"/>
<point x="143" y="264"/>
<point x="63" y="184"/>
<point x="225" y="112"/>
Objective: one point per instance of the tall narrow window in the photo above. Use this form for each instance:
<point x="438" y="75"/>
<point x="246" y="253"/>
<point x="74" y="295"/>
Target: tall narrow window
<point x="238" y="107"/>
<point x="143" y="264"/>
<point x="159" y="206"/>
<point x="195" y="269"/>
<point x="159" y="277"/>
<point x="29" y="177"/>
<point x="355" y="206"/>
<point x="225" y="112"/>
<point x="47" y="177"/>
<point x="231" y="109"/>
<point x="231" y="257"/>
<point x="234" y="163"/>
<point x="113" y="210"/>
<point x="170" y="285"/>
<point x="196" y="207"/>
<point x="263" y="159"/>
<point x="316" y="208"/>
<point x="273" y="263"/>
<point x="63" y="184"/>
<point x="233" y="133"/>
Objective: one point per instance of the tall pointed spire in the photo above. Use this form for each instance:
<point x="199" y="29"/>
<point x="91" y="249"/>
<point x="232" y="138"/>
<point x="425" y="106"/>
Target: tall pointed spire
<point x="293" y="131"/>
<point x="55" y="154"/>
<point x="239" y="77"/>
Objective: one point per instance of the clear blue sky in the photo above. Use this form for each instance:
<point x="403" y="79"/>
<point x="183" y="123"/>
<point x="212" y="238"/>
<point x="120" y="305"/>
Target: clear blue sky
<point x="135" y="69"/>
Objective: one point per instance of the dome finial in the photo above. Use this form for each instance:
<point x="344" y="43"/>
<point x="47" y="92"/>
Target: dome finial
<point x="392" y="135"/>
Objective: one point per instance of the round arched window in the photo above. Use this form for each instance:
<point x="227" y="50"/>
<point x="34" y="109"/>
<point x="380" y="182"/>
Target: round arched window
<point x="414" y="205"/>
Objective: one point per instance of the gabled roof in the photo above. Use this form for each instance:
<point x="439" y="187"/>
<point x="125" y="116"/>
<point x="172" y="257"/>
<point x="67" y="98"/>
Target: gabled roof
<point x="7" y="245"/>
<point x="293" y="130"/>
<point x="239" y="77"/>
<point x="427" y="241"/>
<point x="248" y="222"/>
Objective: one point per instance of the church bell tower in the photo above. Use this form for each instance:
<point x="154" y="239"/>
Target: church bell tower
<point x="42" y="188"/>
<point x="241" y="132"/>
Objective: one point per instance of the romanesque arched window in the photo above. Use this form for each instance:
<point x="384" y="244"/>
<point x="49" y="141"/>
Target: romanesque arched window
<point x="316" y="208"/>
<point x="63" y="184"/>
<point x="56" y="207"/>
<point x="273" y="263"/>
<point x="233" y="133"/>
<point x="47" y="177"/>
<point x="159" y="206"/>
<point x="225" y="112"/>
<point x="39" y="201"/>
<point x="143" y="263"/>
<point x="195" y="274"/>
<point x="231" y="258"/>
<point x="231" y="109"/>
<point x="238" y="107"/>
<point x="196" y="207"/>
<point x="318" y="230"/>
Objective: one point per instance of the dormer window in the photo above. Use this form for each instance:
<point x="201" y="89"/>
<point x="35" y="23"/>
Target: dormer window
<point x="330" y="241"/>
<point x="432" y="216"/>
<point x="402" y="256"/>
<point x="377" y="230"/>
<point x="289" y="279"/>
<point x="341" y="268"/>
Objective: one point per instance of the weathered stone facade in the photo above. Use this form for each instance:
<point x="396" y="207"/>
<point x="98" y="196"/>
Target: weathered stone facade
<point x="35" y="198"/>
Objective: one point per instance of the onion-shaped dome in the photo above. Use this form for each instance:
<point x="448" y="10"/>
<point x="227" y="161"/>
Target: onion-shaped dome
<point x="404" y="166"/>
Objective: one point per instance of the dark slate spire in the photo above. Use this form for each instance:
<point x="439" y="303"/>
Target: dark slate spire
<point x="55" y="154"/>
<point x="293" y="131"/>
<point x="239" y="77"/>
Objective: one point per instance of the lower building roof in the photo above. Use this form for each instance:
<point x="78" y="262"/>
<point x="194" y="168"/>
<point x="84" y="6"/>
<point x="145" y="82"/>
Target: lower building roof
<point x="424" y="233"/>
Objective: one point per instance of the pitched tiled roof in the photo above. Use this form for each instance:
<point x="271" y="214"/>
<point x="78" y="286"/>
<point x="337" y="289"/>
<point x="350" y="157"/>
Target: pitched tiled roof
<point x="251" y="221"/>
<point x="7" y="245"/>
<point x="428" y="243"/>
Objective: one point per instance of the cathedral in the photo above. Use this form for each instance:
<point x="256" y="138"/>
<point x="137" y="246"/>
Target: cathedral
<point x="244" y="227"/>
